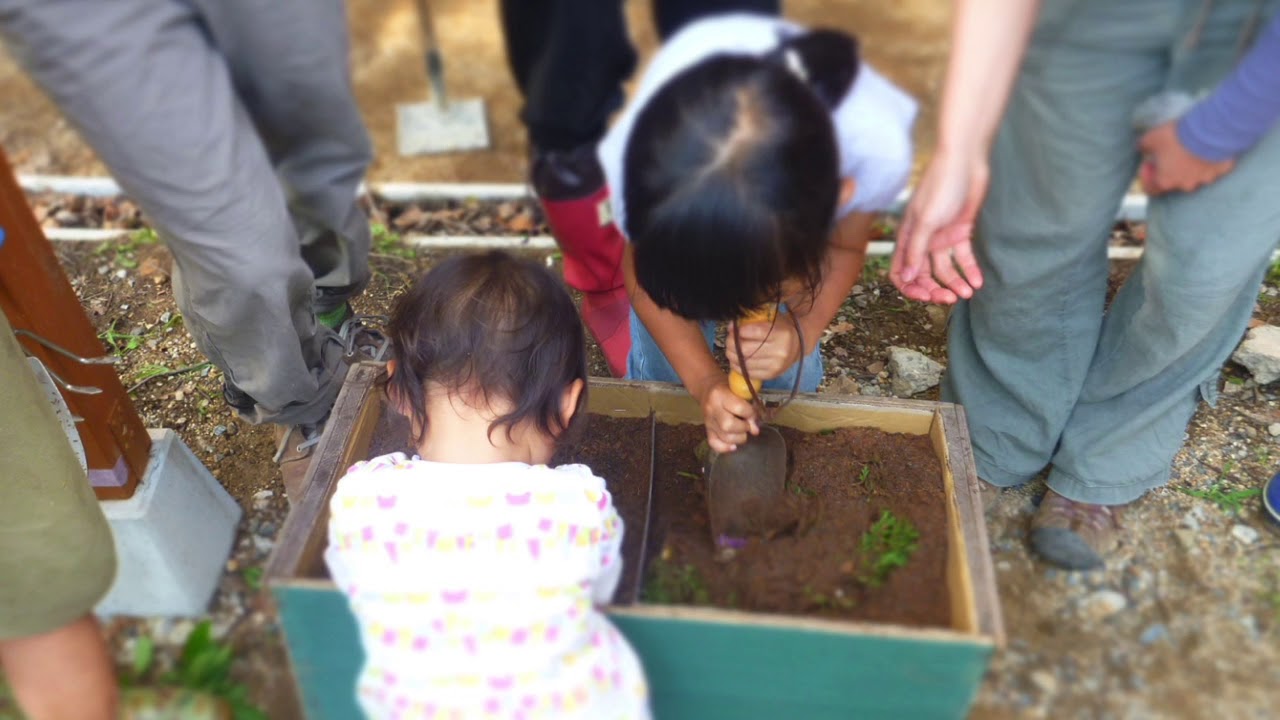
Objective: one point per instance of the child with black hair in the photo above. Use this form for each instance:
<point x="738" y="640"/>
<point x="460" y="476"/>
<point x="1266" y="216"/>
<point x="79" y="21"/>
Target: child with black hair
<point x="746" y="174"/>
<point x="474" y="570"/>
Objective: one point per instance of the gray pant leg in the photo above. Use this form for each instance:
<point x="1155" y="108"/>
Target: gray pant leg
<point x="289" y="63"/>
<point x="1065" y="153"/>
<point x="145" y="88"/>
<point x="1183" y="310"/>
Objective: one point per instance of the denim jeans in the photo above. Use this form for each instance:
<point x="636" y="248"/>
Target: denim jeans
<point x="646" y="361"/>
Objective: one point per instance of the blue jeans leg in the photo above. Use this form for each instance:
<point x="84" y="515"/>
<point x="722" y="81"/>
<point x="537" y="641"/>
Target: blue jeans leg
<point x="646" y="361"/>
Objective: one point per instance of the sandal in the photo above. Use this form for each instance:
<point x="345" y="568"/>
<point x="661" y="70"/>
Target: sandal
<point x="1074" y="535"/>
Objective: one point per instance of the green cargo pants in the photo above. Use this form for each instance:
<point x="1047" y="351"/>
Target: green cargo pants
<point x="1045" y="376"/>
<point x="57" y="557"/>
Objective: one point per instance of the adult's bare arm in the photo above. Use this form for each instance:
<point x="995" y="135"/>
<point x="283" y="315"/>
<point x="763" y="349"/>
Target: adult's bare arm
<point x="933" y="260"/>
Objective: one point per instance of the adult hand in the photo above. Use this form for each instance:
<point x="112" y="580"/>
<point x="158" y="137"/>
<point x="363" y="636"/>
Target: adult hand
<point x="1169" y="167"/>
<point x="935" y="239"/>
<point x="770" y="348"/>
<point x="729" y="419"/>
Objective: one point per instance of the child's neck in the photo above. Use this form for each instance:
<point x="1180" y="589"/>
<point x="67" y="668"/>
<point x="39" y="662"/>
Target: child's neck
<point x="460" y="434"/>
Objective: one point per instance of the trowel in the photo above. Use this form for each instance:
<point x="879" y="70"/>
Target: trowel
<point x="742" y="486"/>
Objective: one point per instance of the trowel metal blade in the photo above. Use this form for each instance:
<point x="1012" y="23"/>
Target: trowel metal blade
<point x="739" y="481"/>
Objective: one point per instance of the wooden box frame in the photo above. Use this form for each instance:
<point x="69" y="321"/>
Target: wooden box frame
<point x="701" y="662"/>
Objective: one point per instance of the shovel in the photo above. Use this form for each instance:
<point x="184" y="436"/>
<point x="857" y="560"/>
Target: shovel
<point x="745" y="485"/>
<point x="440" y="125"/>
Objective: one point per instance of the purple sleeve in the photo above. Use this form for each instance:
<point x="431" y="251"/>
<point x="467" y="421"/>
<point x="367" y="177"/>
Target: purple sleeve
<point x="1241" y="109"/>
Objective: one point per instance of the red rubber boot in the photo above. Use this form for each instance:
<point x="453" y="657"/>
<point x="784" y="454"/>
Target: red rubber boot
<point x="575" y="200"/>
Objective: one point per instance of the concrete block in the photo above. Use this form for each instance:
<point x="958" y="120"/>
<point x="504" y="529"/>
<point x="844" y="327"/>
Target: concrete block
<point x="172" y="537"/>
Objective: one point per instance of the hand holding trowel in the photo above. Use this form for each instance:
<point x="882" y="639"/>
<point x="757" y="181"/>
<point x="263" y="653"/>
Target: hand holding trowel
<point x="742" y="486"/>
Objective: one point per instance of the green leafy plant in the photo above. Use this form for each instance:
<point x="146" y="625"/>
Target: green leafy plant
<point x="121" y="344"/>
<point x="252" y="577"/>
<point x="674" y="584"/>
<point x="124" y="250"/>
<point x="875" y="268"/>
<point x="202" y="672"/>
<point x="1273" y="273"/>
<point x="688" y="475"/>
<point x="388" y="242"/>
<point x="205" y="666"/>
<point x="886" y="546"/>
<point x="1230" y="501"/>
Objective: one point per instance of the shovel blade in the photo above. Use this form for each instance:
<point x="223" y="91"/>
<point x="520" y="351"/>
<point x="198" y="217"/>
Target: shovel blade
<point x="429" y="128"/>
<point x="744" y="485"/>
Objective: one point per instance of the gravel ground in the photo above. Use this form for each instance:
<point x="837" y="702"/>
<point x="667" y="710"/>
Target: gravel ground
<point x="1159" y="633"/>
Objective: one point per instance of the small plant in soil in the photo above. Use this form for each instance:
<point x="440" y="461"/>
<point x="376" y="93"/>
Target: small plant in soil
<point x="1228" y="501"/>
<point x="800" y="490"/>
<point x="121" y="344"/>
<point x="387" y="242"/>
<point x="887" y="546"/>
<point x="674" y="584"/>
<point x="821" y="600"/>
<point x="203" y="671"/>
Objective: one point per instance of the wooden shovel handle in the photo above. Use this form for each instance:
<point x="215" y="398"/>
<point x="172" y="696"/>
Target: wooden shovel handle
<point x="737" y="383"/>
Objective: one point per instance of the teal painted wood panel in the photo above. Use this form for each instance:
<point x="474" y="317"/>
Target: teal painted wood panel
<point x="696" y="670"/>
<point x="700" y="670"/>
<point x="324" y="648"/>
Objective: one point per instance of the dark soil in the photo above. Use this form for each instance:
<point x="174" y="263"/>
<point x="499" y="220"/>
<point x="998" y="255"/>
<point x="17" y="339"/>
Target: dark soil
<point x="618" y="450"/>
<point x="818" y="567"/>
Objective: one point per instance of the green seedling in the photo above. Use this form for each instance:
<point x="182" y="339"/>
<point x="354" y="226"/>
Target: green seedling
<point x="388" y="242"/>
<point x="687" y="474"/>
<point x="124" y="251"/>
<point x="146" y="372"/>
<point x="252" y="577"/>
<point x="672" y="584"/>
<point x="827" y="431"/>
<point x="864" y="479"/>
<point x="205" y="666"/>
<point x="886" y="547"/>
<point x="1273" y="274"/>
<point x="121" y="344"/>
<point x="874" y="268"/>
<point x="835" y="600"/>
<point x="1228" y="501"/>
<point x="1236" y="380"/>
<point x="800" y="490"/>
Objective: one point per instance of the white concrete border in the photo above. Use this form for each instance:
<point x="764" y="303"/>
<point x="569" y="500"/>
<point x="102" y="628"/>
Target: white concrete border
<point x="1134" y="207"/>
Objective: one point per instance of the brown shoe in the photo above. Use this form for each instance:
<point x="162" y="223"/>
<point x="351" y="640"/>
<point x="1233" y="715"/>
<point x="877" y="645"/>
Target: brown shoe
<point x="1074" y="535"/>
<point x="294" y="445"/>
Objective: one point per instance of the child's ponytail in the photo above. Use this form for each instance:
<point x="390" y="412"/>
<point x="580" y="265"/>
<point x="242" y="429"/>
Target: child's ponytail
<point x="826" y="60"/>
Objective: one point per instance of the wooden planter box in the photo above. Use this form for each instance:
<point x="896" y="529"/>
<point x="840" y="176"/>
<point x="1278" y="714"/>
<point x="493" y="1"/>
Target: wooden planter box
<point x="702" y="663"/>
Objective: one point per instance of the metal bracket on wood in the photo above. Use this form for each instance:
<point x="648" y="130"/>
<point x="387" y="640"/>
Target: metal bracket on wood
<point x="103" y="360"/>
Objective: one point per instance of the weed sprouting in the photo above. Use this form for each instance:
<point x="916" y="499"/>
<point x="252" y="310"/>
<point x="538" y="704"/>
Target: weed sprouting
<point x="673" y="584"/>
<point x="1229" y="501"/>
<point x="388" y="242"/>
<point x="887" y="546"/>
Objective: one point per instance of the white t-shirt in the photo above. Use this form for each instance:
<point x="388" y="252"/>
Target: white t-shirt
<point x="872" y="123"/>
<point x="475" y="590"/>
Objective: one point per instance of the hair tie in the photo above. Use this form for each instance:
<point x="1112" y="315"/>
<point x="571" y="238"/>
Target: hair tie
<point x="795" y="64"/>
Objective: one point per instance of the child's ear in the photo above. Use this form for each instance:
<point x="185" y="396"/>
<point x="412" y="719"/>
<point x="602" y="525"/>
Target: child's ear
<point x="391" y="367"/>
<point x="569" y="401"/>
<point x="847" y="188"/>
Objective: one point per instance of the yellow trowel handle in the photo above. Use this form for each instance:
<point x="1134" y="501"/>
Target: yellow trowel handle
<point x="737" y="383"/>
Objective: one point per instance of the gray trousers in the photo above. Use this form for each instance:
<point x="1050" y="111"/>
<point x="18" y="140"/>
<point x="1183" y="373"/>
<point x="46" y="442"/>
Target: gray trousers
<point x="1045" y="376"/>
<point x="233" y="126"/>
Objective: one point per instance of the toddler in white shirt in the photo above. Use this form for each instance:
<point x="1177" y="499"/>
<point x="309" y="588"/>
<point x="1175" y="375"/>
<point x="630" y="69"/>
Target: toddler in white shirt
<point x="474" y="570"/>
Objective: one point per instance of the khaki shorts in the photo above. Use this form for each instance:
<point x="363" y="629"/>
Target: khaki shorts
<point x="57" y="556"/>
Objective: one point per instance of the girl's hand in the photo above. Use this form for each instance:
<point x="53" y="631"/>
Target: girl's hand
<point x="1170" y="167"/>
<point x="729" y="418"/>
<point x="936" y="234"/>
<point x="770" y="348"/>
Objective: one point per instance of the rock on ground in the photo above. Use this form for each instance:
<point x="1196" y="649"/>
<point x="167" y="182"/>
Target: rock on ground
<point x="913" y="372"/>
<point x="1260" y="353"/>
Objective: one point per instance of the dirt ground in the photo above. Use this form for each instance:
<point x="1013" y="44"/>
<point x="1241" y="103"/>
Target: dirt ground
<point x="1183" y="624"/>
<point x="904" y="39"/>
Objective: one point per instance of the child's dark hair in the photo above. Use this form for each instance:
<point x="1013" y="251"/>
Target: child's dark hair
<point x="488" y="327"/>
<point x="732" y="176"/>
